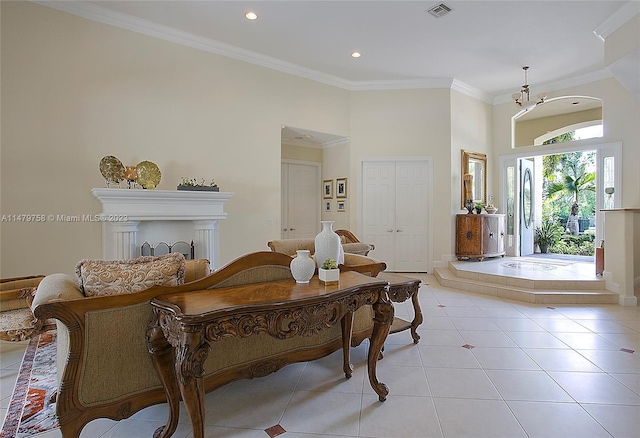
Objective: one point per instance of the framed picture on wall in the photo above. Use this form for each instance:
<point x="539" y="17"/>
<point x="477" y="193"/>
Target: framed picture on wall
<point x="327" y="205"/>
<point x="342" y="206"/>
<point x="341" y="187"/>
<point x="327" y="189"/>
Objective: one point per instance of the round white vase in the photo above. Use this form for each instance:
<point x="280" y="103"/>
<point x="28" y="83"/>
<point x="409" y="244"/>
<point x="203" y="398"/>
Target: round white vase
<point x="302" y="267"/>
<point x="328" y="245"/>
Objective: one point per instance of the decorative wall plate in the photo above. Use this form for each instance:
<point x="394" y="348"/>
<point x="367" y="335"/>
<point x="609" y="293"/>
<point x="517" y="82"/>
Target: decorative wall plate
<point x="148" y="174"/>
<point x="112" y="169"/>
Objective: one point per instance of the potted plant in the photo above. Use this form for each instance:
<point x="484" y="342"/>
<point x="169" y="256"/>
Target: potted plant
<point x="546" y="234"/>
<point x="329" y="273"/>
<point x="193" y="185"/>
<point x="479" y="207"/>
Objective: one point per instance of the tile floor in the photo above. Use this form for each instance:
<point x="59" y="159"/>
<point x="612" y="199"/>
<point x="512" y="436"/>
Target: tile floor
<point x="484" y="367"/>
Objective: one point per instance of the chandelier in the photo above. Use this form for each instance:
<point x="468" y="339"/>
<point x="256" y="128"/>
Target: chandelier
<point x="522" y="99"/>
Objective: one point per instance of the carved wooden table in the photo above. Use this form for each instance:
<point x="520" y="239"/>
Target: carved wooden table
<point x="192" y="322"/>
<point x="402" y="288"/>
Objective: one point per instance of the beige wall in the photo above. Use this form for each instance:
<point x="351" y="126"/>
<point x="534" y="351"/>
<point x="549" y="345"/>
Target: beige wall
<point x="402" y="123"/>
<point x="335" y="164"/>
<point x="471" y="129"/>
<point x="621" y="113"/>
<point x="625" y="39"/>
<point x="299" y="153"/>
<point x="528" y="130"/>
<point x="74" y="90"/>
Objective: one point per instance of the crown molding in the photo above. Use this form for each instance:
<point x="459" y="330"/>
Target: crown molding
<point x="561" y="84"/>
<point x="409" y="84"/>
<point x="620" y="17"/>
<point x="104" y="15"/>
<point x="315" y="145"/>
<point x="124" y="21"/>
<point x="472" y="91"/>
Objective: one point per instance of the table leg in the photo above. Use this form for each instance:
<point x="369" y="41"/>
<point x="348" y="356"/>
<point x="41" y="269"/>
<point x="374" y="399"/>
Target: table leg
<point x="162" y="358"/>
<point x="382" y="319"/>
<point x="417" y="320"/>
<point x="347" y="328"/>
<point x="191" y="353"/>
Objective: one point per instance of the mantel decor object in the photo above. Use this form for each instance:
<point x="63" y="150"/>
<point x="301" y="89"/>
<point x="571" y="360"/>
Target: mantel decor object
<point x="112" y="170"/>
<point x="195" y="186"/>
<point x="302" y="266"/>
<point x="328" y="245"/>
<point x="149" y="174"/>
<point x="131" y="175"/>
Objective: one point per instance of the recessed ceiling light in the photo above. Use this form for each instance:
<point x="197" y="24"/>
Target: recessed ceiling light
<point x="251" y="15"/>
<point x="356" y="55"/>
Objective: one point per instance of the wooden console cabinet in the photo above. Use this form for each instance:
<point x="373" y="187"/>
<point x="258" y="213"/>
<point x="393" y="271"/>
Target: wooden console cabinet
<point x="479" y="235"/>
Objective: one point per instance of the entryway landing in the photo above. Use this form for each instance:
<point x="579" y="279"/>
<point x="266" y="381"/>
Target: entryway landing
<point x="531" y="279"/>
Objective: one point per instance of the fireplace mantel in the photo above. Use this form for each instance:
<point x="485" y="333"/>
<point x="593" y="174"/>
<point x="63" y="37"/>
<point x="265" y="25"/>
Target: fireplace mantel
<point x="132" y="217"/>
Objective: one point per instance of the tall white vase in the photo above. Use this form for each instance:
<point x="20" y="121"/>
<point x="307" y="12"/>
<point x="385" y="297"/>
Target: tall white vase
<point x="302" y="267"/>
<point x="328" y="245"/>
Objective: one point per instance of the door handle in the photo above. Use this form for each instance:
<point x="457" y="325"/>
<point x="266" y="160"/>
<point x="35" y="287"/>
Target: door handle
<point x="399" y="231"/>
<point x="389" y="231"/>
<point x="292" y="229"/>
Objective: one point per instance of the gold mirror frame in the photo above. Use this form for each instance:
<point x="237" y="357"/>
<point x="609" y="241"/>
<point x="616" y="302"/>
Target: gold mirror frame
<point x="480" y="162"/>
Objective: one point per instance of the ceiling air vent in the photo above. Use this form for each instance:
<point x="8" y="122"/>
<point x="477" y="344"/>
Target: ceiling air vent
<point x="439" y="10"/>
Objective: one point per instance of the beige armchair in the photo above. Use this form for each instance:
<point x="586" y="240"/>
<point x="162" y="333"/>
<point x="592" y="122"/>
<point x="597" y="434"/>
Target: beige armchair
<point x="353" y="261"/>
<point x="104" y="368"/>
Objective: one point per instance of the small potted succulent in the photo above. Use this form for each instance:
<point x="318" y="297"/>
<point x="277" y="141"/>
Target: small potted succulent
<point x="479" y="207"/>
<point x="329" y="273"/>
<point x="202" y="186"/>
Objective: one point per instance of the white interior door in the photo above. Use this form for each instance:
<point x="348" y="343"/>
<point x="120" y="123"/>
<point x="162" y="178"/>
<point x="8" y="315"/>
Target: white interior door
<point x="395" y="212"/>
<point x="378" y="208"/>
<point x="300" y="200"/>
<point x="527" y="197"/>
<point x="411" y="216"/>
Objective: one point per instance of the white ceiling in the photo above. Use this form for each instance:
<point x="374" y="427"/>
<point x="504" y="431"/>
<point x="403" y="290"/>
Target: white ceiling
<point x="480" y="44"/>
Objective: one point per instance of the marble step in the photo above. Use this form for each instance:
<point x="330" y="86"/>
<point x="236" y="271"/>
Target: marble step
<point x="527" y="290"/>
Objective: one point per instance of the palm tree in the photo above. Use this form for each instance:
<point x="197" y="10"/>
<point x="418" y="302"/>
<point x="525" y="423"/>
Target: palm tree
<point x="573" y="178"/>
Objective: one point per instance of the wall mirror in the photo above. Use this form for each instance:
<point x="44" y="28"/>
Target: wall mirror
<point x="474" y="164"/>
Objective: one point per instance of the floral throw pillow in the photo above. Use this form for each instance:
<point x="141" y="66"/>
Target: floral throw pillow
<point x="113" y="277"/>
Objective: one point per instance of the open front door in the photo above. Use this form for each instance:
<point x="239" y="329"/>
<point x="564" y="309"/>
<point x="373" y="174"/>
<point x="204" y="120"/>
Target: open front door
<point x="526" y="207"/>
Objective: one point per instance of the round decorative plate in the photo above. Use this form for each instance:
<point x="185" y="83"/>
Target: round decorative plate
<point x="112" y="169"/>
<point x="148" y="175"/>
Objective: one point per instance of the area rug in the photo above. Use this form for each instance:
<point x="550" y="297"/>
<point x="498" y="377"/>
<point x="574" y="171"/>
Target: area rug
<point x="31" y="410"/>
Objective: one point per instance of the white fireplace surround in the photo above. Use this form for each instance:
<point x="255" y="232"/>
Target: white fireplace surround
<point x="132" y="217"/>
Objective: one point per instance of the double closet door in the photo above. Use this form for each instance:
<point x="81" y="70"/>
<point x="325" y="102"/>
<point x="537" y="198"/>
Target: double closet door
<point x="395" y="212"/>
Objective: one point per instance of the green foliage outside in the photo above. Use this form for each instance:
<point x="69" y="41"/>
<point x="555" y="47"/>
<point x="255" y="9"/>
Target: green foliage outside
<point x="567" y="136"/>
<point x="547" y="234"/>
<point x="581" y="244"/>
<point x="568" y="179"/>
